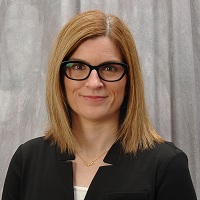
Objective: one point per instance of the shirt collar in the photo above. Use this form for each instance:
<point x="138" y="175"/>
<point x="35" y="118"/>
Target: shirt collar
<point x="114" y="155"/>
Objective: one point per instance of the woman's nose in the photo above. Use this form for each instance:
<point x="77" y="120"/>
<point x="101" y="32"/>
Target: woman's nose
<point x="93" y="80"/>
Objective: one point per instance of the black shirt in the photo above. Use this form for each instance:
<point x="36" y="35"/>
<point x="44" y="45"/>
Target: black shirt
<point x="38" y="171"/>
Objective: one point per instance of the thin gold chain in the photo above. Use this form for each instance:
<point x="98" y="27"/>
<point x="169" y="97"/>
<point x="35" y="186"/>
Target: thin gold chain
<point x="90" y="163"/>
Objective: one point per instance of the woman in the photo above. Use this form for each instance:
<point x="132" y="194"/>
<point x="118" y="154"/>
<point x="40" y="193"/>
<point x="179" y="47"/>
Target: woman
<point x="100" y="144"/>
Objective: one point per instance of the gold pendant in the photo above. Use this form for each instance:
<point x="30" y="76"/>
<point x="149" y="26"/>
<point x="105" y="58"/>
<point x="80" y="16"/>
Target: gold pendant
<point x="89" y="164"/>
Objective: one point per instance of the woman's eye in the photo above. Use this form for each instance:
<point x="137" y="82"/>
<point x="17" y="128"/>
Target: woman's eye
<point x="110" y="68"/>
<point x="79" y="66"/>
<point x="76" y="66"/>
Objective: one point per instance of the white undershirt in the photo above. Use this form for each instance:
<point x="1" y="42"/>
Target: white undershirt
<point x="80" y="192"/>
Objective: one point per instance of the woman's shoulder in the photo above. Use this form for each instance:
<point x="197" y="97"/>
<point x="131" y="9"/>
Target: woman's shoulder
<point x="35" y="146"/>
<point x="166" y="152"/>
<point x="32" y="151"/>
<point x="35" y="142"/>
<point x="166" y="149"/>
<point x="158" y="155"/>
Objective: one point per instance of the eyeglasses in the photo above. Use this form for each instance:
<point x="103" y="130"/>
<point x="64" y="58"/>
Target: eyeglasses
<point x="109" y="71"/>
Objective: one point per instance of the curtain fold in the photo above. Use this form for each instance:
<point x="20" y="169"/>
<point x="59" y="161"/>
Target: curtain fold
<point x="167" y="35"/>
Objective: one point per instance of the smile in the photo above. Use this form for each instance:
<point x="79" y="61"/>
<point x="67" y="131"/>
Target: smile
<point x="93" y="98"/>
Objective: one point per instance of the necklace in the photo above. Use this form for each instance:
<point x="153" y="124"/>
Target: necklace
<point x="90" y="163"/>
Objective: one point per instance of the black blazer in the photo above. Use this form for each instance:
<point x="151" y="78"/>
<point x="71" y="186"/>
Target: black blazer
<point x="38" y="171"/>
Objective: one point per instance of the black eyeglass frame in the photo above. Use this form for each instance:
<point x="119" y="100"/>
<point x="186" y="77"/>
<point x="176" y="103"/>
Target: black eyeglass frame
<point x="92" y="67"/>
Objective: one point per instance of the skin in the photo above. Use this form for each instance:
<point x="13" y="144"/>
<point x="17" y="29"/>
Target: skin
<point x="95" y="107"/>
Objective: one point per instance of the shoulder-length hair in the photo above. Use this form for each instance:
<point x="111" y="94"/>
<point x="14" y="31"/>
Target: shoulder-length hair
<point x="135" y="130"/>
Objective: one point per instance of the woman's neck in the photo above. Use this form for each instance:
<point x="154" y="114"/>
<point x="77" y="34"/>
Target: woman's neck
<point x="94" y="137"/>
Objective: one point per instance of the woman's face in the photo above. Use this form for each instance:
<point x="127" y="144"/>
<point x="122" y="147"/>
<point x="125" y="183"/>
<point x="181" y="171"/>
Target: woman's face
<point x="93" y="98"/>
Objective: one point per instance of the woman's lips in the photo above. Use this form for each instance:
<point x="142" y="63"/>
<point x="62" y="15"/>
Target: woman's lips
<point x="94" y="98"/>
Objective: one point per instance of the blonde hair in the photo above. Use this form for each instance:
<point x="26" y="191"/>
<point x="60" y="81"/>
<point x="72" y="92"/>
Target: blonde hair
<point x="135" y="130"/>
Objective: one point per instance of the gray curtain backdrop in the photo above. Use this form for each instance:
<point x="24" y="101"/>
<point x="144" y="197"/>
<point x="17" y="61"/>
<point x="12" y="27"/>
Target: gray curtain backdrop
<point x="167" y="34"/>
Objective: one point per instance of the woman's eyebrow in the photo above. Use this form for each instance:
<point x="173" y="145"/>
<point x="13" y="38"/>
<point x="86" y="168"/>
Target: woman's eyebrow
<point x="105" y="62"/>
